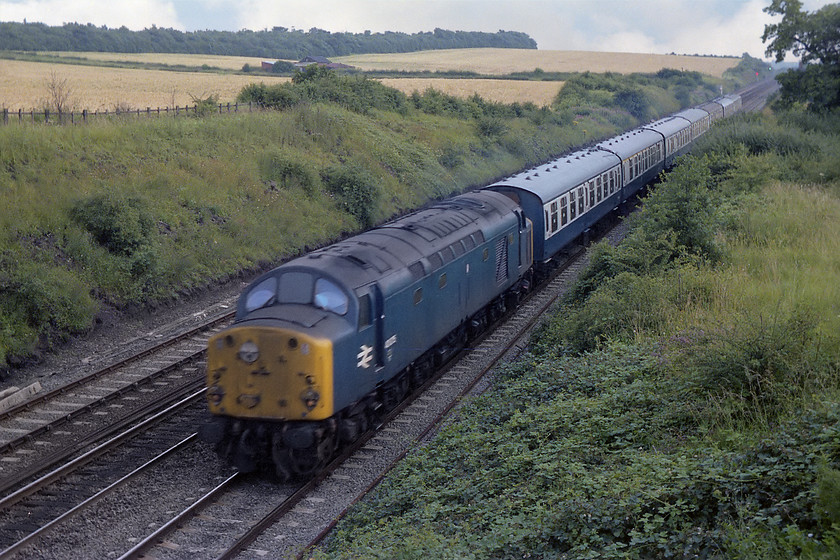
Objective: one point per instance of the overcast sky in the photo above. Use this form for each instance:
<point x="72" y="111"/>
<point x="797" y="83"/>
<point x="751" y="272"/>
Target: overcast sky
<point x="719" y="27"/>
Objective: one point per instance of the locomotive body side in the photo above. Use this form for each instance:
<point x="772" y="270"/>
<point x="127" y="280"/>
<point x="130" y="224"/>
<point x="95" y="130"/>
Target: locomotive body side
<point x="322" y="342"/>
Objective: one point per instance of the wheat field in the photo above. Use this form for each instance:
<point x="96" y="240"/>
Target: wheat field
<point x="505" y="61"/>
<point x="25" y="85"/>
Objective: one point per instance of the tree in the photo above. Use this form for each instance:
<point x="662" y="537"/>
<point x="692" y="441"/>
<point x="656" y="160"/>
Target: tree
<point x="815" y="38"/>
<point x="59" y="93"/>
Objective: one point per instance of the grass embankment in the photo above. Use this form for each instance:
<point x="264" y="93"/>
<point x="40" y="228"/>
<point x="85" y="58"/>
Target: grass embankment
<point x="684" y="402"/>
<point x="130" y="212"/>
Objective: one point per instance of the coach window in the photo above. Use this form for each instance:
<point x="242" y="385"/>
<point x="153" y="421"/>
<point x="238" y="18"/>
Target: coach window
<point x="572" y="205"/>
<point x="598" y="189"/>
<point x="591" y="193"/>
<point x="554" y="223"/>
<point x="564" y="212"/>
<point x="581" y="201"/>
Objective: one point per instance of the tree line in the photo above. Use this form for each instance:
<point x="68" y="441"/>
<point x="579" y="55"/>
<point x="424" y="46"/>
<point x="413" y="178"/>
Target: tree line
<point x="278" y="42"/>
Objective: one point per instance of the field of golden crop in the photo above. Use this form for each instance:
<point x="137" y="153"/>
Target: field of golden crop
<point x="505" y="61"/>
<point x="25" y="85"/>
<point x="172" y="59"/>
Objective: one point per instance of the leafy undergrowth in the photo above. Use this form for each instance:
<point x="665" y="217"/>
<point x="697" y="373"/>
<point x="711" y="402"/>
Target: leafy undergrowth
<point x="683" y="402"/>
<point x="602" y="456"/>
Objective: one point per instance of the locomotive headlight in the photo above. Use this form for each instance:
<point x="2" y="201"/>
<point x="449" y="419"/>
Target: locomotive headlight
<point x="215" y="394"/>
<point x="249" y="353"/>
<point x="310" y="398"/>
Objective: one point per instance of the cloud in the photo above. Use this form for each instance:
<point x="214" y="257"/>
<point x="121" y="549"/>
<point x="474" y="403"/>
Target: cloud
<point x="134" y="14"/>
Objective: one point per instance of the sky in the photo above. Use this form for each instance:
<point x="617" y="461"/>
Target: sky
<point x="716" y="27"/>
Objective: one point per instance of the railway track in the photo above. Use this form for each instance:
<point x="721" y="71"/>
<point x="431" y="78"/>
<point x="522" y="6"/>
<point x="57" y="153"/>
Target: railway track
<point x="59" y="424"/>
<point x="77" y="486"/>
<point x="238" y="513"/>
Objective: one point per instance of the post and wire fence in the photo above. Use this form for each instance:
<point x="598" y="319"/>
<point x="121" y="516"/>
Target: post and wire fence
<point x="47" y="116"/>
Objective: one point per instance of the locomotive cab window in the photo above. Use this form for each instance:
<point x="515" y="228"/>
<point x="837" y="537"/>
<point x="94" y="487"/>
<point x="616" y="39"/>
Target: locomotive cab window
<point x="295" y="287"/>
<point x="329" y="297"/>
<point x="262" y="295"/>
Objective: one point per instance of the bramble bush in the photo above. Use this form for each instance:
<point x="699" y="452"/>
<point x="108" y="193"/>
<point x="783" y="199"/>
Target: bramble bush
<point x="355" y="191"/>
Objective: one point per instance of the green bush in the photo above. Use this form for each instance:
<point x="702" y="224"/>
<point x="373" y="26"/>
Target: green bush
<point x="288" y="171"/>
<point x="355" y="191"/>
<point x="123" y="225"/>
<point x="39" y="302"/>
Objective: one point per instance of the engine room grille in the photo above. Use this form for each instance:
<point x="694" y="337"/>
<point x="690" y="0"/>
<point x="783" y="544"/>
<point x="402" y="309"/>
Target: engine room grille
<point x="501" y="260"/>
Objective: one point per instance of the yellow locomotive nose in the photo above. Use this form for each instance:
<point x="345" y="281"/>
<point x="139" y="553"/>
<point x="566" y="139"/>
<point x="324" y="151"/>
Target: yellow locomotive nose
<point x="269" y="373"/>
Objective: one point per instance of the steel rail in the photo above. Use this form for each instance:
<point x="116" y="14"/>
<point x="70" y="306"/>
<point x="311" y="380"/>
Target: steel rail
<point x="32" y="537"/>
<point x="96" y="452"/>
<point x="149" y="542"/>
<point x="41" y="398"/>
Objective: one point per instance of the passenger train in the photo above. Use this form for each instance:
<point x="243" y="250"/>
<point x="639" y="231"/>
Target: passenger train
<point x="322" y="345"/>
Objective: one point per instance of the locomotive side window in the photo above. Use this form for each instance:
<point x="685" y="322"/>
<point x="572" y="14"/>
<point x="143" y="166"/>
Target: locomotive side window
<point x="262" y="294"/>
<point x="329" y="297"/>
<point x="418" y="296"/>
<point x="364" y="311"/>
<point x="486" y="254"/>
<point x="442" y="281"/>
